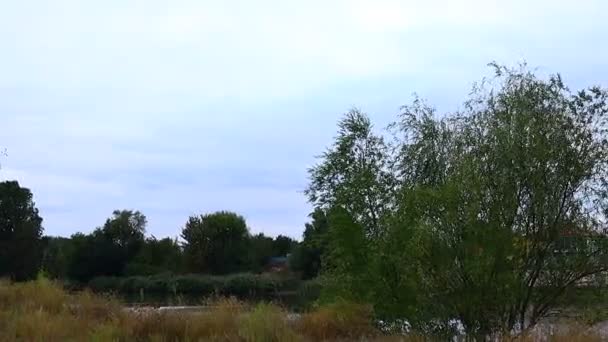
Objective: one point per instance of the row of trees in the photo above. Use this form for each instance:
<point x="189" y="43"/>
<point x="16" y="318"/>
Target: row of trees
<point x="217" y="243"/>
<point x="487" y="215"/>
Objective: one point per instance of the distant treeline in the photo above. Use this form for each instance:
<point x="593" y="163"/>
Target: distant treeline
<point x="213" y="244"/>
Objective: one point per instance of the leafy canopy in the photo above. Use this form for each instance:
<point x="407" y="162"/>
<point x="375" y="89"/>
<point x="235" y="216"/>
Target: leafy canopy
<point x="216" y="243"/>
<point x="467" y="214"/>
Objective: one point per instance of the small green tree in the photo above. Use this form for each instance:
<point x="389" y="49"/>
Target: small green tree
<point x="20" y="232"/>
<point x="216" y="243"/>
<point x="126" y="229"/>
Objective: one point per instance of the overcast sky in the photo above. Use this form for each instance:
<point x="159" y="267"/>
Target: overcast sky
<point x="176" y="108"/>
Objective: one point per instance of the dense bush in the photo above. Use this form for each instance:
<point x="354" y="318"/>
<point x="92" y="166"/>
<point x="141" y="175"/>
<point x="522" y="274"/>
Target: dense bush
<point x="195" y="284"/>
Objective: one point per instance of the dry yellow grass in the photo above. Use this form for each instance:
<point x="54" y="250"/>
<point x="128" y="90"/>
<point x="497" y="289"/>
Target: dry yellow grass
<point x="341" y="320"/>
<point x="42" y="311"/>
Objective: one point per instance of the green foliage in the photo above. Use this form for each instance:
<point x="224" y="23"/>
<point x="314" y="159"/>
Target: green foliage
<point x="216" y="243"/>
<point x="306" y="256"/>
<point x="308" y="293"/>
<point x="261" y="249"/>
<point x="84" y="262"/>
<point x="120" y="249"/>
<point x="348" y="257"/>
<point x="56" y="256"/>
<point x="108" y="250"/>
<point x="282" y="245"/>
<point x="466" y="215"/>
<point x="355" y="174"/>
<point x="20" y="232"/>
<point x="196" y="284"/>
<point x="244" y="285"/>
<point x="126" y="228"/>
<point x="156" y="256"/>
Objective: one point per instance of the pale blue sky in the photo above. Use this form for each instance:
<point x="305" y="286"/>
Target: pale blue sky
<point x="182" y="107"/>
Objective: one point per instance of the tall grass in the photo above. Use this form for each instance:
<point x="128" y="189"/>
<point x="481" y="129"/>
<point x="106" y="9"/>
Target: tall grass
<point x="341" y="320"/>
<point x="42" y="311"/>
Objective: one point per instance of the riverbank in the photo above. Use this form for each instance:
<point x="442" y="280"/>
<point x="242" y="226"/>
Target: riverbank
<point x="179" y="290"/>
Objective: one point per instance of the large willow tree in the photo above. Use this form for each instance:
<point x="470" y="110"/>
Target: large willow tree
<point x="487" y="215"/>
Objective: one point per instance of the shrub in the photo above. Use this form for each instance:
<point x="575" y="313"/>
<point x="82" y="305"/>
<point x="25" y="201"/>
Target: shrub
<point x="200" y="285"/>
<point x="160" y="284"/>
<point x="242" y="286"/>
